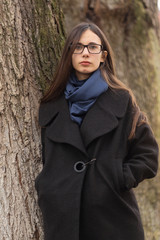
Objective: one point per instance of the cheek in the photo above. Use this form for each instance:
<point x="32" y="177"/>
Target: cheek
<point x="74" y="60"/>
<point x="98" y="61"/>
<point x="101" y="58"/>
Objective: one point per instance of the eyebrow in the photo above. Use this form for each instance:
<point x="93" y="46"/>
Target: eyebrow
<point x="89" y="43"/>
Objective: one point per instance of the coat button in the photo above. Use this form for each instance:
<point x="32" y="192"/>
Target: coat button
<point x="79" y="166"/>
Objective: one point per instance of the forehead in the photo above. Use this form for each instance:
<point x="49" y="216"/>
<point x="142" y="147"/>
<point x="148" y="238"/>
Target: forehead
<point x="89" y="36"/>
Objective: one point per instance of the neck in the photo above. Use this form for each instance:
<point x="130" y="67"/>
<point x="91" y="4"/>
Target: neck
<point x="83" y="76"/>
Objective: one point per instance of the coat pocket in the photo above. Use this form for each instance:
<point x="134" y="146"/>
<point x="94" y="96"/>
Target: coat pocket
<point x="125" y="179"/>
<point x="120" y="181"/>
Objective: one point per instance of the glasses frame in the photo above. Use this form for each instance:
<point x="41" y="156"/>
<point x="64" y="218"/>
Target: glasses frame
<point x="86" y="46"/>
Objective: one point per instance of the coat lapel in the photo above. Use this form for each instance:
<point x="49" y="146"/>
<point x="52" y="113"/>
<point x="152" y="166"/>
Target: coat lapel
<point x="101" y="118"/>
<point x="104" y="115"/>
<point x="60" y="126"/>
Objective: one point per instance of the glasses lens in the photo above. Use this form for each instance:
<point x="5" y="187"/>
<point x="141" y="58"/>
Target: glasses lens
<point x="78" y="48"/>
<point x="94" y="48"/>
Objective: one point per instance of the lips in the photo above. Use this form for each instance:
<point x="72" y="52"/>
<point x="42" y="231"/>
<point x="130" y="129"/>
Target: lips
<point x="85" y="63"/>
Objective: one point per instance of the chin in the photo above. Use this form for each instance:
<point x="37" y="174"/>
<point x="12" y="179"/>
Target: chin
<point x="87" y="71"/>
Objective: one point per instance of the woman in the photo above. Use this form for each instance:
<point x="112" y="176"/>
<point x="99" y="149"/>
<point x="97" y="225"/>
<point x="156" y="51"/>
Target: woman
<point x="97" y="146"/>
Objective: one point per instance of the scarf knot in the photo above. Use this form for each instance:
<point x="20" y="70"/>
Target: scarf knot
<point x="82" y="94"/>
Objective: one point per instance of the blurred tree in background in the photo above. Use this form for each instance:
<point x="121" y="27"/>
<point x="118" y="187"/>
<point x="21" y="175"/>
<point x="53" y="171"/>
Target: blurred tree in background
<point x="132" y="28"/>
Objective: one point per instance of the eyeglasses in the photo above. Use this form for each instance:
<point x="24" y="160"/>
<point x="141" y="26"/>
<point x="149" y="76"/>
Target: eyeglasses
<point x="92" y="48"/>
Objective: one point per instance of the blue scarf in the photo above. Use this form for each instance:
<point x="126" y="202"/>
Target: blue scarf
<point x="81" y="95"/>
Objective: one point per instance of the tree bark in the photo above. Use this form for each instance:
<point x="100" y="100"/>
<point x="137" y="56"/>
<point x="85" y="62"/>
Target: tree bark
<point x="133" y="30"/>
<point x="31" y="37"/>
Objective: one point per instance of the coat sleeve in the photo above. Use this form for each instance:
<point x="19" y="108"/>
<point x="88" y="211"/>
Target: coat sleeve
<point x="142" y="159"/>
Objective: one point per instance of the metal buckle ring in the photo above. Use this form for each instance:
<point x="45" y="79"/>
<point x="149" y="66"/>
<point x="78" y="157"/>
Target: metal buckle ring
<point x="79" y="166"/>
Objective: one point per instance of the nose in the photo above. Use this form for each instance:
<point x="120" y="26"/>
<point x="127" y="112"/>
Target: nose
<point x="85" y="51"/>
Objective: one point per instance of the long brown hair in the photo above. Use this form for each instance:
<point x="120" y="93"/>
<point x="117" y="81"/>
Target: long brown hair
<point x="65" y="68"/>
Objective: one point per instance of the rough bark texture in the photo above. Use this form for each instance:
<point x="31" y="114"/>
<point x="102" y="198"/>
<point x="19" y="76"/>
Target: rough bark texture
<point x="133" y="31"/>
<point x="31" y="35"/>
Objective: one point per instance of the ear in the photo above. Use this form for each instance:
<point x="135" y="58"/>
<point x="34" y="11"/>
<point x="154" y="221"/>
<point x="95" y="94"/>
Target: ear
<point x="104" y="55"/>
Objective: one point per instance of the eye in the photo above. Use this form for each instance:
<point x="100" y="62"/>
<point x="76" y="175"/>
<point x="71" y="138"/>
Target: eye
<point x="78" y="47"/>
<point x="93" y="47"/>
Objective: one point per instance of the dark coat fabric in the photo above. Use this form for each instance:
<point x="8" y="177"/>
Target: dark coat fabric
<point x="85" y="188"/>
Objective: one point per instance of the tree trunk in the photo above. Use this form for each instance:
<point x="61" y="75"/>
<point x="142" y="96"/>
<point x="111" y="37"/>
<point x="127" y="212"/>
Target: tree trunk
<point x="31" y="36"/>
<point x="132" y="29"/>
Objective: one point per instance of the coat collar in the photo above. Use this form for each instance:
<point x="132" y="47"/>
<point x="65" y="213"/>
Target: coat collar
<point x="60" y="128"/>
<point x="105" y="115"/>
<point x="101" y="118"/>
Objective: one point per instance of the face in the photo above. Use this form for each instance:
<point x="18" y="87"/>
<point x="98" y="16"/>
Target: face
<point x="86" y="63"/>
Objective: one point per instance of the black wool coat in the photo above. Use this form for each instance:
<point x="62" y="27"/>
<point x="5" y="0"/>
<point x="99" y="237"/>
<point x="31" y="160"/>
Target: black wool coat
<point x="85" y="187"/>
